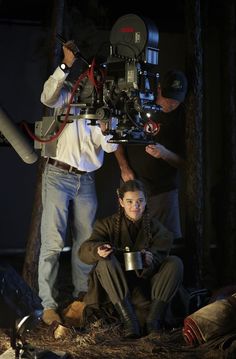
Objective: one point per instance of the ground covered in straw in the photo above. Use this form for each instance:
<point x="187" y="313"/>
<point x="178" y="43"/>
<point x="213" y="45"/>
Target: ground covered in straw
<point x="102" y="340"/>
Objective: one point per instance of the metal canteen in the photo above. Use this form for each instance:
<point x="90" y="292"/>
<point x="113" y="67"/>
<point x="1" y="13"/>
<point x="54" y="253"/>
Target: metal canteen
<point x="133" y="260"/>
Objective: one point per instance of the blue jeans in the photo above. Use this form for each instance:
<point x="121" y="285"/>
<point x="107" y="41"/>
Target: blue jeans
<point x="61" y="190"/>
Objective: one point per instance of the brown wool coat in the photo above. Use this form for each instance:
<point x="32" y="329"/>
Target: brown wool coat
<point x="104" y="232"/>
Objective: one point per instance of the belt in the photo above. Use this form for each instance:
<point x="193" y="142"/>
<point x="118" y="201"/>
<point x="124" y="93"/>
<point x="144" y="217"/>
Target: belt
<point x="65" y="166"/>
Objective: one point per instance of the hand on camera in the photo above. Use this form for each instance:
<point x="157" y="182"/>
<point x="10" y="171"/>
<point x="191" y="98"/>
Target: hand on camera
<point x="157" y="150"/>
<point x="102" y="125"/>
<point x="69" y="50"/>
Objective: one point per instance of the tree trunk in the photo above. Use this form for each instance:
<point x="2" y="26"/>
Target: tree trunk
<point x="30" y="268"/>
<point x="228" y="66"/>
<point x="194" y="142"/>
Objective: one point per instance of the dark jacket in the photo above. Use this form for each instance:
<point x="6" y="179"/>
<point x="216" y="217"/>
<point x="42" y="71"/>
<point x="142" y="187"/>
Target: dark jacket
<point x="104" y="232"/>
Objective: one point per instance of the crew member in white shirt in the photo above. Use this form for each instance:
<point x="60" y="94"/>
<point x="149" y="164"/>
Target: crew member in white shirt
<point x="68" y="190"/>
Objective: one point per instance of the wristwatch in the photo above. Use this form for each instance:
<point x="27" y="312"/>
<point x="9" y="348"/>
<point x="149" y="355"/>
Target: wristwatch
<point x="64" y="67"/>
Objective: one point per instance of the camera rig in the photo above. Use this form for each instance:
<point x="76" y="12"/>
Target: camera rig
<point x="121" y="92"/>
<point x="126" y="98"/>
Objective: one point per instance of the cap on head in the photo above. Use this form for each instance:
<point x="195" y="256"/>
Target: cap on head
<point x="174" y="85"/>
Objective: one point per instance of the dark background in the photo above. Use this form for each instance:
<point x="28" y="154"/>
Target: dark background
<point x="29" y="53"/>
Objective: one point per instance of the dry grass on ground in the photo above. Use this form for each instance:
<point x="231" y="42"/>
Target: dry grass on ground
<point x="102" y="340"/>
<point x="105" y="341"/>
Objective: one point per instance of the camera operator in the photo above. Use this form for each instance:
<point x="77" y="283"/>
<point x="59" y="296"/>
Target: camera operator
<point x="157" y="165"/>
<point x="68" y="189"/>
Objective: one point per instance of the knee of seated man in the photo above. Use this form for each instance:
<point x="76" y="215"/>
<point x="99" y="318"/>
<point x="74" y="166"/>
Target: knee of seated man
<point x="110" y="261"/>
<point x="175" y="264"/>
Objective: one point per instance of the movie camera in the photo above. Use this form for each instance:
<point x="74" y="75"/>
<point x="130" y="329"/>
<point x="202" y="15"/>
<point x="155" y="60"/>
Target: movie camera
<point x="121" y="91"/>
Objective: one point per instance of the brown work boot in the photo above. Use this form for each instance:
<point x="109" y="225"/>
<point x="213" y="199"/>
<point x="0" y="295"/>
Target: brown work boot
<point x="50" y="315"/>
<point x="73" y="315"/>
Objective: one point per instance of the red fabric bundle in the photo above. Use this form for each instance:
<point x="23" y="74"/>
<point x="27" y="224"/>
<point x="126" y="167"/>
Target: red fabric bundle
<point x="191" y="332"/>
<point x="211" y="322"/>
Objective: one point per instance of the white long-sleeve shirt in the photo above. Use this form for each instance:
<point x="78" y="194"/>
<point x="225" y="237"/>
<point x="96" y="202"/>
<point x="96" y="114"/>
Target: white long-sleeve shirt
<point x="80" y="145"/>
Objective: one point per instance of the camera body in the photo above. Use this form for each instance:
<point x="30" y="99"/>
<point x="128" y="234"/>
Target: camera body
<point x="121" y="92"/>
<point x="127" y="96"/>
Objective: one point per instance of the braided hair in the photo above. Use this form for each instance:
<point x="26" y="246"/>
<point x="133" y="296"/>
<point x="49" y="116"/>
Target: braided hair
<point x="132" y="186"/>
